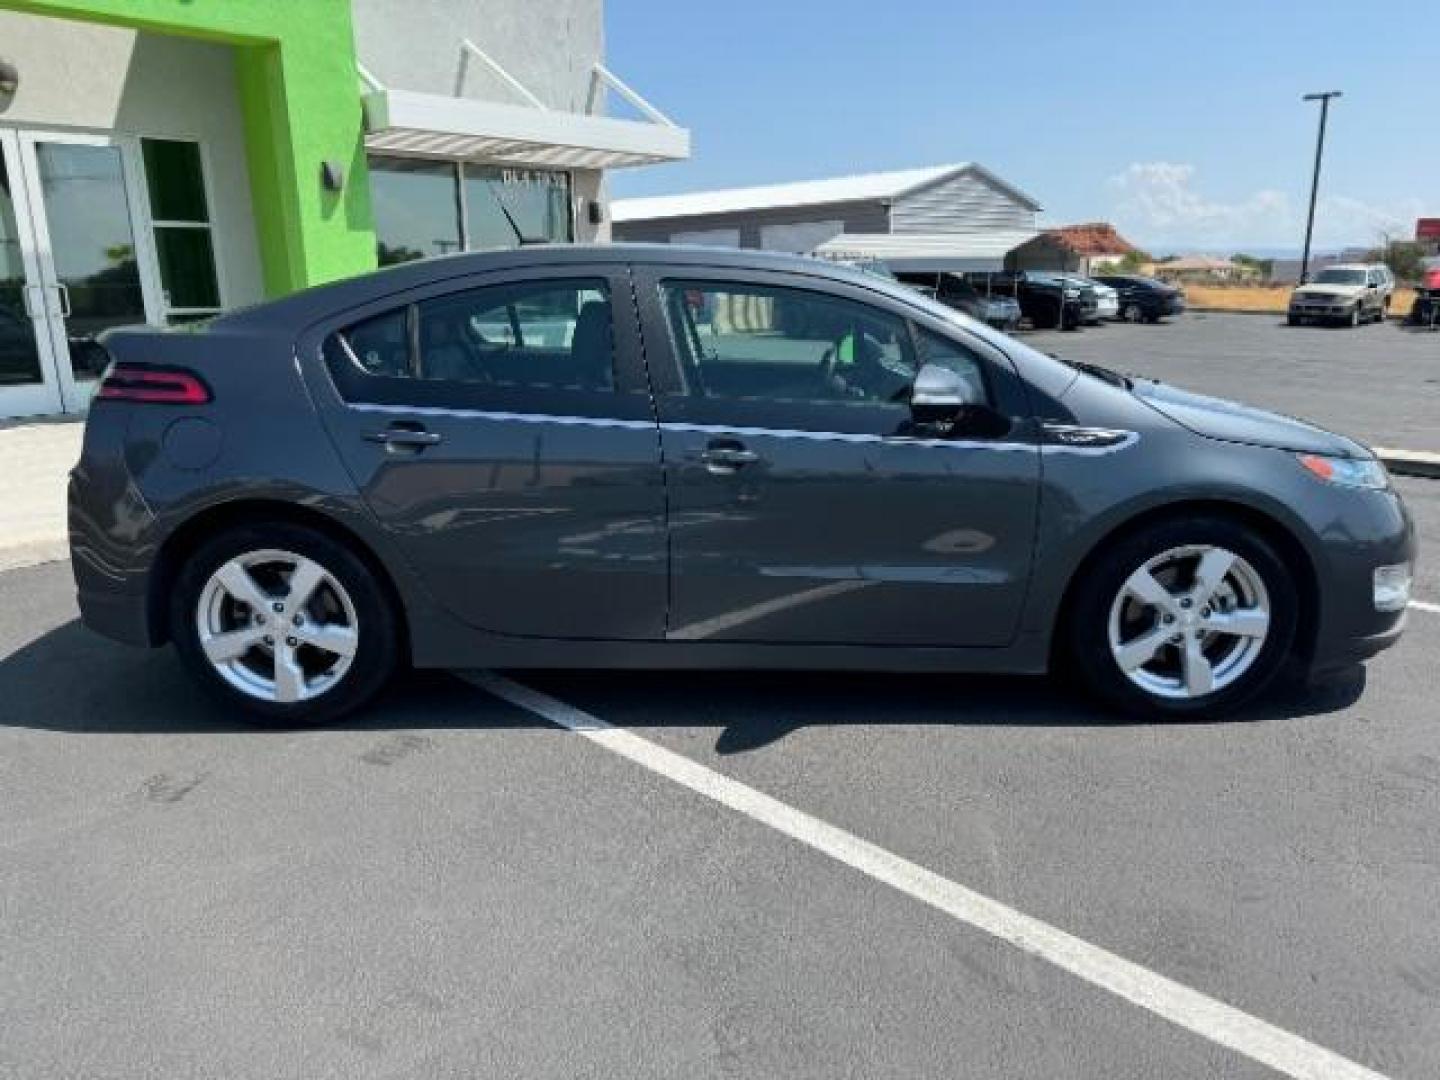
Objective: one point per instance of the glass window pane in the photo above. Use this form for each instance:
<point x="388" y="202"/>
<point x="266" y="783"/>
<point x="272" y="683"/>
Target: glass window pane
<point x="92" y="245"/>
<point x="19" y="353"/>
<point x="537" y="202"/>
<point x="756" y="342"/>
<point x="550" y="335"/>
<point x="416" y="209"/>
<point x="380" y="346"/>
<point x="176" y="182"/>
<point x="187" y="267"/>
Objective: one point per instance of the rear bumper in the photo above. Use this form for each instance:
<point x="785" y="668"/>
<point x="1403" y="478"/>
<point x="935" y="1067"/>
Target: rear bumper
<point x="112" y="539"/>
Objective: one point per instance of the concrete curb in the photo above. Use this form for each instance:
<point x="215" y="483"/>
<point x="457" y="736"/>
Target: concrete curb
<point x="33" y="552"/>
<point x="1410" y="462"/>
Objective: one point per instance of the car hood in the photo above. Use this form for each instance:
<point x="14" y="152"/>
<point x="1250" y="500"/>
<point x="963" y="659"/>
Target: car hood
<point x="1230" y="421"/>
<point x="1347" y="291"/>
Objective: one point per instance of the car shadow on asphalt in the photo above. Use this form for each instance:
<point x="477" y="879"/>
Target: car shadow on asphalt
<point x="71" y="680"/>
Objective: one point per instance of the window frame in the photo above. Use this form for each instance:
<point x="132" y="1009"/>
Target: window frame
<point x="629" y="399"/>
<point x="673" y="405"/>
<point x="152" y="225"/>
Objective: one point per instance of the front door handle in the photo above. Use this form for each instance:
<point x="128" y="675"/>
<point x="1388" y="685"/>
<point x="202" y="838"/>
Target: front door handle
<point x="727" y="456"/>
<point x="416" y="438"/>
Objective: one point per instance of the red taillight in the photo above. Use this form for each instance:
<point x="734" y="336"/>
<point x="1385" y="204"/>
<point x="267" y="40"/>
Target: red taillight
<point x="153" y="386"/>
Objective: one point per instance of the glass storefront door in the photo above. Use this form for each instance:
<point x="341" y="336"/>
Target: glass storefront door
<point x="73" y="262"/>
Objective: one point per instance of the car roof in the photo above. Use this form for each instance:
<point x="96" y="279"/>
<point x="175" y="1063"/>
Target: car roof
<point x="310" y="305"/>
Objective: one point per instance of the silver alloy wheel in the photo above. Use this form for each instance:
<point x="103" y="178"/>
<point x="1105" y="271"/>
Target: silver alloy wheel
<point x="1132" y="313"/>
<point x="277" y="626"/>
<point x="1190" y="622"/>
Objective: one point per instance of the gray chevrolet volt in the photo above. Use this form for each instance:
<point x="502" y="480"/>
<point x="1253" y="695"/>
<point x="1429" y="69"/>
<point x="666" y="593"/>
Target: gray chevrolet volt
<point x="657" y="457"/>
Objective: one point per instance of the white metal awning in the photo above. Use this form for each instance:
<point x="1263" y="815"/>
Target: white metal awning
<point x="464" y="128"/>
<point x="983" y="249"/>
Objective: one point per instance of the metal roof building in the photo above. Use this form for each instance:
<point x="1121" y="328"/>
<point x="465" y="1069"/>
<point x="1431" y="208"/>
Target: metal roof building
<point x="959" y="216"/>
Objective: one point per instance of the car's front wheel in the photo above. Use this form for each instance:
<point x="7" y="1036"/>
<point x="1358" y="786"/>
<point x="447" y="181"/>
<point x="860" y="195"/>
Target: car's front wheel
<point x="1131" y="313"/>
<point x="1187" y="618"/>
<point x="285" y="622"/>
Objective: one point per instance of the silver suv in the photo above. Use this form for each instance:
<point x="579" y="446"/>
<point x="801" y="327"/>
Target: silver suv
<point x="1348" y="295"/>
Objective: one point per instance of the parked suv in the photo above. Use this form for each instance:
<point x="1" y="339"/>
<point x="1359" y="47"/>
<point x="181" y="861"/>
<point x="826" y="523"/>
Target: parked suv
<point x="1045" y="299"/>
<point x="1144" y="299"/>
<point x="952" y="290"/>
<point x="1344" y="295"/>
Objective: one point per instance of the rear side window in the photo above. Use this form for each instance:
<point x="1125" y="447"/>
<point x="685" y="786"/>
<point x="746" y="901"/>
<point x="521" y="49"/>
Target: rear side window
<point x="378" y="346"/>
<point x="550" y="335"/>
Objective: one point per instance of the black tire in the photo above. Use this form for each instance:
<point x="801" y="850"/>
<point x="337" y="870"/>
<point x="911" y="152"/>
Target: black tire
<point x="377" y="649"/>
<point x="1292" y="320"/>
<point x="1086" y="633"/>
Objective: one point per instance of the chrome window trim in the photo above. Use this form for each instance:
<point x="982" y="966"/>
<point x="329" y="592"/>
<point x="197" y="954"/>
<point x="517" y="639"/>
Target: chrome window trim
<point x="698" y="429"/>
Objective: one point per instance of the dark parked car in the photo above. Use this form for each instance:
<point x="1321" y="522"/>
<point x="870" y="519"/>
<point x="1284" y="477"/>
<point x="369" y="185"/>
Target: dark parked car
<point x="618" y="457"/>
<point x="1046" y="300"/>
<point x="952" y="290"/>
<point x="1144" y="299"/>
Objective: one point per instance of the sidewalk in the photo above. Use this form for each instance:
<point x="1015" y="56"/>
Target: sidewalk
<point x="35" y="460"/>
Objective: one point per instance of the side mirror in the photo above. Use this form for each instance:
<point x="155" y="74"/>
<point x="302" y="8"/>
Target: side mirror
<point x="940" y="394"/>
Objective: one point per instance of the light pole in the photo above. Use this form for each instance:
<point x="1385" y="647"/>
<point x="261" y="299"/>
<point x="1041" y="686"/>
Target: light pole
<point x="1324" y="100"/>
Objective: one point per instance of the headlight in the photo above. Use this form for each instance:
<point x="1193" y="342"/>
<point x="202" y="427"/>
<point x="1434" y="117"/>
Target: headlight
<point x="1347" y="472"/>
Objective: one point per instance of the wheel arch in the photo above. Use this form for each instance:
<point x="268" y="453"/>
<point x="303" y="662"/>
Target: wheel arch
<point x="1289" y="546"/>
<point x="218" y="517"/>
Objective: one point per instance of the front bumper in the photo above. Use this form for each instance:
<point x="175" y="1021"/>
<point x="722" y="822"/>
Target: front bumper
<point x="1317" y="311"/>
<point x="1373" y="530"/>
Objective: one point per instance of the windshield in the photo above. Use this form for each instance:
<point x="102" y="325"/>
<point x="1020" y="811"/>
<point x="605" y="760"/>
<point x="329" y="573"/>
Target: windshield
<point x="1340" y="277"/>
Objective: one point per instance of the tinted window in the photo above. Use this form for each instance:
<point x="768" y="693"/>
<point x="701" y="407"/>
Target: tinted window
<point x="552" y="335"/>
<point x="380" y="346"/>
<point x="755" y="342"/>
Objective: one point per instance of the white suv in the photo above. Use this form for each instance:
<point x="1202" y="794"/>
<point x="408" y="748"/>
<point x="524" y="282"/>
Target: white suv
<point x="1348" y="294"/>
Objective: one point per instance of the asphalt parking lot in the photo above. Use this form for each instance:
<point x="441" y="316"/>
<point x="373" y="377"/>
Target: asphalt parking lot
<point x="455" y="886"/>
<point x="1378" y="383"/>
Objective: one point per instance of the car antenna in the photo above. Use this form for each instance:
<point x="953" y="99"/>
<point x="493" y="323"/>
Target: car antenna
<point x="520" y="237"/>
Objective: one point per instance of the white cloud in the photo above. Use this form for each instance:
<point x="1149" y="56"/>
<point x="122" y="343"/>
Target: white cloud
<point x="1158" y="205"/>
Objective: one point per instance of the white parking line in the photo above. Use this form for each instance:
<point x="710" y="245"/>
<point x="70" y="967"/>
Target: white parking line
<point x="1421" y="605"/>
<point x="1205" y="1016"/>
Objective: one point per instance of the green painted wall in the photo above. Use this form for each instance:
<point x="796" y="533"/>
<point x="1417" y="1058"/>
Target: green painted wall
<point x="301" y="101"/>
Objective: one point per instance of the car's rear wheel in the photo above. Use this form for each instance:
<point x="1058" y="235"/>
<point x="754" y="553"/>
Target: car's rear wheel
<point x="285" y="622"/>
<point x="1131" y="313"/>
<point x="1188" y="618"/>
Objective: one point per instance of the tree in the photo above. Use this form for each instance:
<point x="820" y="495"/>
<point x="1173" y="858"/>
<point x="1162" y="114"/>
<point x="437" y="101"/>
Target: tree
<point x="1402" y="257"/>
<point x="1264" y="267"/>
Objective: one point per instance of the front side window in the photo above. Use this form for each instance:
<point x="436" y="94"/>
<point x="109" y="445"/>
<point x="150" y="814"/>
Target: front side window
<point x="551" y="335"/>
<point x="759" y="343"/>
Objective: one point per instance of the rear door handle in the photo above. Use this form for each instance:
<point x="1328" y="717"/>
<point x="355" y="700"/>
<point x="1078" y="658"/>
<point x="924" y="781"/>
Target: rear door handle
<point x="405" y="436"/>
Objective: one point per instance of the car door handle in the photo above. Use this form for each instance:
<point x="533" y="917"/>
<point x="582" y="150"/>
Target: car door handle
<point x="727" y="457"/>
<point x="417" y="438"/>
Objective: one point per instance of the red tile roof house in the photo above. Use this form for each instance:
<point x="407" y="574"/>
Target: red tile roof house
<point x="1096" y="243"/>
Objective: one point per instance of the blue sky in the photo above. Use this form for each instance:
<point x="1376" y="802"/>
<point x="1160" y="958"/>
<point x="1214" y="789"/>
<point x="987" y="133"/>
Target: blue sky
<point x="1179" y="121"/>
